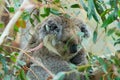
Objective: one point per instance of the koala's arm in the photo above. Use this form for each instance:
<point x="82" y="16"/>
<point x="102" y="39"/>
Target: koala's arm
<point x="58" y="66"/>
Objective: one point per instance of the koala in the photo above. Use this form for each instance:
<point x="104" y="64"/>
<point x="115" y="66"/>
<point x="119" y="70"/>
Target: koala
<point x="62" y="33"/>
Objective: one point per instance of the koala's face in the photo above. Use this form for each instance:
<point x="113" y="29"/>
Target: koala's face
<point x="67" y="32"/>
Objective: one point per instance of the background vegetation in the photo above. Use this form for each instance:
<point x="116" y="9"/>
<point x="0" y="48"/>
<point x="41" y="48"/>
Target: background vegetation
<point x="103" y="17"/>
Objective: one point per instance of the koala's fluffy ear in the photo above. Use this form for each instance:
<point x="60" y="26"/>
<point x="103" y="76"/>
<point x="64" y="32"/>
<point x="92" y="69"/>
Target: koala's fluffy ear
<point x="82" y="26"/>
<point x="52" y="26"/>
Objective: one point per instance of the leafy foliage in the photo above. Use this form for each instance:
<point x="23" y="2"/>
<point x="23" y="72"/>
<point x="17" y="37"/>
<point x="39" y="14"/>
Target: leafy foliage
<point x="104" y="13"/>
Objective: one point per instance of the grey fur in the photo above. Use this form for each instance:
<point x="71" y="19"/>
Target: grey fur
<point x="64" y="28"/>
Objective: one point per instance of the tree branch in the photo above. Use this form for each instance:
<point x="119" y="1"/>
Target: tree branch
<point x="14" y="19"/>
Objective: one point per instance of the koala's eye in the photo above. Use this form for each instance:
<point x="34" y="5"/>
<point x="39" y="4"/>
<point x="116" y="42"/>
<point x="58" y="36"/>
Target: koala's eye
<point x="53" y="27"/>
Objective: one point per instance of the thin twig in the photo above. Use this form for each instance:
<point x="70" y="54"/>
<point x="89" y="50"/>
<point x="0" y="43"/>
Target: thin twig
<point x="37" y="62"/>
<point x="13" y="21"/>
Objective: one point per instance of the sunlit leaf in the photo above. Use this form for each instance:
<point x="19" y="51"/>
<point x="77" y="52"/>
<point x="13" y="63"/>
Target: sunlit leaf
<point x="48" y="44"/>
<point x="57" y="1"/>
<point x="25" y="15"/>
<point x="22" y="75"/>
<point x="91" y="10"/>
<point x="119" y="12"/>
<point x="59" y="76"/>
<point x="1" y="25"/>
<point x="83" y="67"/>
<point x="54" y="11"/>
<point x="46" y="12"/>
<point x="109" y="20"/>
<point x="75" y="6"/>
<point x="21" y="23"/>
<point x="11" y="9"/>
<point x="16" y="28"/>
<point x="83" y="4"/>
<point x="105" y="12"/>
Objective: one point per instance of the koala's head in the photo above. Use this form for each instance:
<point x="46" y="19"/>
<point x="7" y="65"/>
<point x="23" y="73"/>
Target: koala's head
<point x="67" y="34"/>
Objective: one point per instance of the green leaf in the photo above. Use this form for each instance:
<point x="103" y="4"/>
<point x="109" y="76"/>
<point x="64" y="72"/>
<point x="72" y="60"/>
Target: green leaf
<point x="57" y="1"/>
<point x="16" y="28"/>
<point x="21" y="63"/>
<point x="95" y="34"/>
<point x="91" y="10"/>
<point x="110" y="31"/>
<point x="83" y="67"/>
<point x="102" y="63"/>
<point x="26" y="15"/>
<point x="119" y="12"/>
<point x="11" y="9"/>
<point x="54" y="11"/>
<point x="72" y="66"/>
<point x="22" y="75"/>
<point x="37" y="17"/>
<point x="32" y="22"/>
<point x="4" y="64"/>
<point x="105" y="12"/>
<point x="1" y="25"/>
<point x="75" y="6"/>
<point x="84" y="6"/>
<point x="59" y="76"/>
<point x="46" y="12"/>
<point x="109" y="20"/>
<point x="117" y="42"/>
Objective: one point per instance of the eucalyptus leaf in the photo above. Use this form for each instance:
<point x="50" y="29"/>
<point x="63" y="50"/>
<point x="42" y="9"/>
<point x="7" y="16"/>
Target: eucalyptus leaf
<point x="91" y="10"/>
<point x="48" y="44"/>
<point x="46" y="12"/>
<point x="11" y="9"/>
<point x="59" y="76"/>
<point x="22" y="75"/>
<point x="110" y="31"/>
<point x="117" y="42"/>
<point x="21" y="63"/>
<point x="57" y="1"/>
<point x="47" y="28"/>
<point x="95" y="34"/>
<point x="32" y="21"/>
<point x="1" y="25"/>
<point x="75" y="6"/>
<point x="4" y="63"/>
<point x="37" y="17"/>
<point x="84" y="5"/>
<point x="109" y="20"/>
<point x="55" y="11"/>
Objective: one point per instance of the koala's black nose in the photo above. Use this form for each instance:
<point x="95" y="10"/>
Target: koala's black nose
<point x="73" y="48"/>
